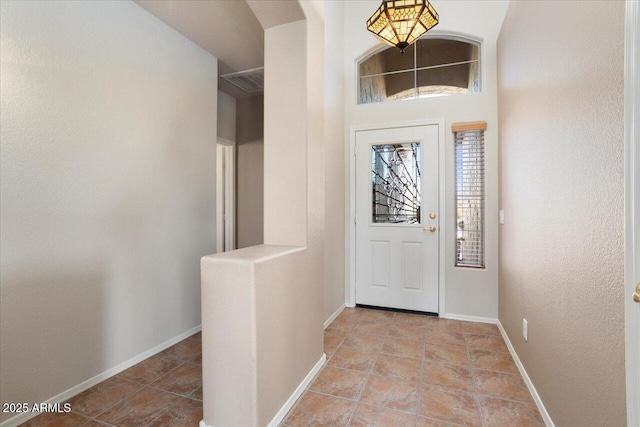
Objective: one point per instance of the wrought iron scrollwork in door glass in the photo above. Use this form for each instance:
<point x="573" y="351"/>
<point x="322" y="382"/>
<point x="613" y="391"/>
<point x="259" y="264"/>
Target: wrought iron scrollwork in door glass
<point x="395" y="175"/>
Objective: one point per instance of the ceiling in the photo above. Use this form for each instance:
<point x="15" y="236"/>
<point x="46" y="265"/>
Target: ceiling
<point x="229" y="30"/>
<point x="272" y="13"/>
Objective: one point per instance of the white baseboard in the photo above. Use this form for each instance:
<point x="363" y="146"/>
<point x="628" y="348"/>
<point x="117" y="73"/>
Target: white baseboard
<point x="294" y="397"/>
<point x="275" y="422"/>
<point x="470" y="318"/>
<point x="333" y="316"/>
<point x="67" y="394"/>
<point x="536" y="397"/>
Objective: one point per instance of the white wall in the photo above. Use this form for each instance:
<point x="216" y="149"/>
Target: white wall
<point x="285" y="199"/>
<point x="108" y="134"/>
<point x="469" y="292"/>
<point x="250" y="172"/>
<point x="226" y="116"/>
<point x="334" y="143"/>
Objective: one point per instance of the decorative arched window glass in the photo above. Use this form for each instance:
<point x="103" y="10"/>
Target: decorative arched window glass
<point x="433" y="66"/>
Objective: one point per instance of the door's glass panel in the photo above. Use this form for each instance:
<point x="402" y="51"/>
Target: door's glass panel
<point x="395" y="176"/>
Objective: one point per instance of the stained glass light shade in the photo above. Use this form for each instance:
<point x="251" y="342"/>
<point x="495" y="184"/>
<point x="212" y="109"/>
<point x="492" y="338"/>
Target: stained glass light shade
<point x="401" y="22"/>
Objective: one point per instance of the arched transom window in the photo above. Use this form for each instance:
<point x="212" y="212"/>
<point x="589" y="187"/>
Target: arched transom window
<point x="432" y="66"/>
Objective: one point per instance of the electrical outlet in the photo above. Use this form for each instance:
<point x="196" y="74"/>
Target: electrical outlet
<point x="525" y="329"/>
<point x="501" y="217"/>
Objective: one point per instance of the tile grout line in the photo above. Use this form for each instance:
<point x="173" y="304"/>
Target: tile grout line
<point x="170" y="392"/>
<point x="423" y="360"/>
<point x="181" y="362"/>
<point x="175" y="394"/>
<point x="307" y="389"/>
<point x="138" y="390"/>
<point x="88" y="419"/>
<point x="149" y="385"/>
<point x="506" y="399"/>
<point x="95" y="417"/>
<point x="165" y="374"/>
<point x="470" y="365"/>
<point x="99" y="422"/>
<point x="475" y="384"/>
<point x="193" y="398"/>
<point x="420" y="382"/>
<point x="162" y="413"/>
<point x="474" y="369"/>
<point x="442" y="421"/>
<point x="140" y="386"/>
<point x="478" y="394"/>
<point x="293" y="408"/>
<point x="458" y="331"/>
<point x="370" y="374"/>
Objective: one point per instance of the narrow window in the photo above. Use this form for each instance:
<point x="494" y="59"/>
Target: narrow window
<point x="470" y="196"/>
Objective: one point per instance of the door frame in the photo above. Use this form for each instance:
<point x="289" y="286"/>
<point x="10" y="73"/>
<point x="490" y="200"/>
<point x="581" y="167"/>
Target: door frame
<point x="632" y="206"/>
<point x="350" y="236"/>
<point x="229" y="212"/>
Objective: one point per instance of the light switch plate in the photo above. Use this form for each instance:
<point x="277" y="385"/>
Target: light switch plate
<point x="525" y="329"/>
<point x="501" y="217"/>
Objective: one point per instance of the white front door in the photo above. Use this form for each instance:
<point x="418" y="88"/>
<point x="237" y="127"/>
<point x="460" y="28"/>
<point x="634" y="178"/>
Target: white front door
<point x="632" y="214"/>
<point x="397" y="224"/>
<point x="632" y="297"/>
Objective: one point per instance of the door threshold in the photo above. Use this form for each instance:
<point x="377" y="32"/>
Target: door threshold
<point x="397" y="310"/>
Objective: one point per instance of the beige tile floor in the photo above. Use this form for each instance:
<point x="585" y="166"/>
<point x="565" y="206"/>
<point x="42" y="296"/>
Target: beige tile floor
<point x="384" y="369"/>
<point x="395" y="369"/>
<point x="163" y="390"/>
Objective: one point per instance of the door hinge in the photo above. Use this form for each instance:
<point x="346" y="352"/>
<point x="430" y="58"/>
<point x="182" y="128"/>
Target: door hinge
<point x="355" y="221"/>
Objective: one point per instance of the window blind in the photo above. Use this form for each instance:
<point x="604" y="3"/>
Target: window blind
<point x="470" y="194"/>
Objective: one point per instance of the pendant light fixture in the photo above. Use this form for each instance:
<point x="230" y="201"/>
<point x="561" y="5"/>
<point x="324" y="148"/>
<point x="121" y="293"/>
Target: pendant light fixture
<point x="399" y="23"/>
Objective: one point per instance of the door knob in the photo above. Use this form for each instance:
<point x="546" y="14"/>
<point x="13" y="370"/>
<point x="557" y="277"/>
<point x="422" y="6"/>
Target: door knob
<point x="636" y="294"/>
<point x="432" y="229"/>
<point x="432" y="215"/>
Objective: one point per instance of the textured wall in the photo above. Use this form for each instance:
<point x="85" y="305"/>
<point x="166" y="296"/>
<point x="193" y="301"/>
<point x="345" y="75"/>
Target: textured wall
<point x="249" y="172"/>
<point x="107" y="186"/>
<point x="274" y="291"/>
<point x="290" y="319"/>
<point x="561" y="165"/>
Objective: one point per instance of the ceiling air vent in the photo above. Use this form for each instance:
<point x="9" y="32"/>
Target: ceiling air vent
<point x="249" y="81"/>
